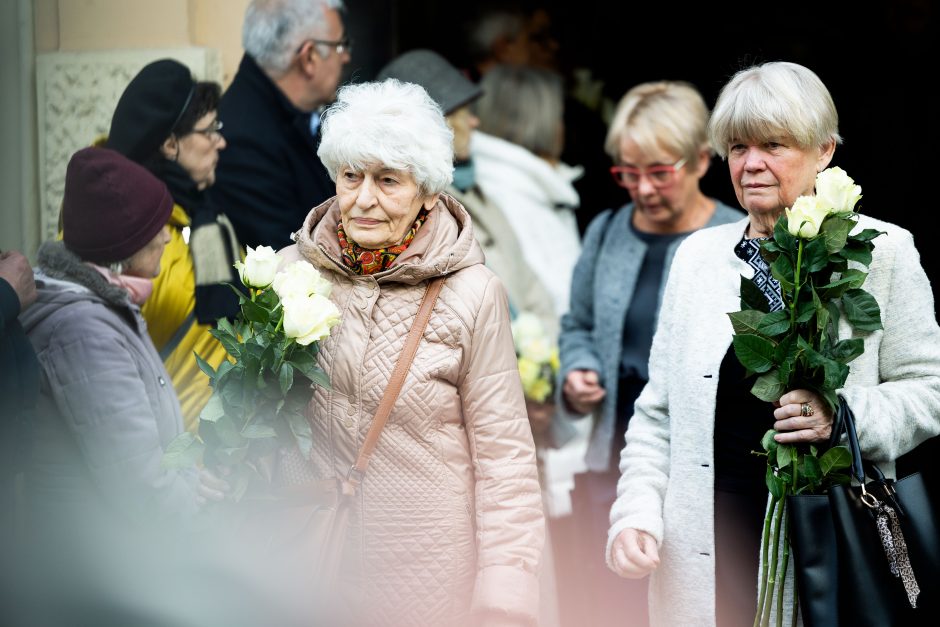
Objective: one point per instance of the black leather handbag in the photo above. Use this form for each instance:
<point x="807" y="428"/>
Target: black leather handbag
<point x="866" y="554"/>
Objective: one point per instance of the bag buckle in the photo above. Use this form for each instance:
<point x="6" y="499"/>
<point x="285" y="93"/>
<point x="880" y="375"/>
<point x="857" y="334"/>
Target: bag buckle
<point x="355" y="475"/>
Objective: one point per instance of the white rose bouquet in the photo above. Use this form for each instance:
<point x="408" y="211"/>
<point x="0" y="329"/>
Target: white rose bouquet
<point x="799" y="346"/>
<point x="259" y="394"/>
<point x="536" y="356"/>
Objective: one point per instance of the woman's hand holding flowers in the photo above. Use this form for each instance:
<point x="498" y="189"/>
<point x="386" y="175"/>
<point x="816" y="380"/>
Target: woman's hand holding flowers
<point x="802" y="416"/>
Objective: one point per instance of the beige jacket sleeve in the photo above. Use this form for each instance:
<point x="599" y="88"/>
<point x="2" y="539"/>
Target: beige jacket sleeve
<point x="509" y="519"/>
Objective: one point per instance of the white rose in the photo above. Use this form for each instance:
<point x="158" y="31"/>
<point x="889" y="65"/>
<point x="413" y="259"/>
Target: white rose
<point x="259" y="268"/>
<point x="526" y="328"/>
<point x="300" y="279"/>
<point x="837" y="190"/>
<point x="537" y="349"/>
<point x="806" y="216"/>
<point x="309" y="318"/>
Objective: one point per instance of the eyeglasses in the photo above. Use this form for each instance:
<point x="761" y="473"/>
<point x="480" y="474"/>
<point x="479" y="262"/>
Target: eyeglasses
<point x="212" y="132"/>
<point x="659" y="176"/>
<point x="339" y="46"/>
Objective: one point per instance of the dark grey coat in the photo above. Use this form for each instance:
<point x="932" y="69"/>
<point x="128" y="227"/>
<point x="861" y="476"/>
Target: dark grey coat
<point x="107" y="408"/>
<point x="602" y="288"/>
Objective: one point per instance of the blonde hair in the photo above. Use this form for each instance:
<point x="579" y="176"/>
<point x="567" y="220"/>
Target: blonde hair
<point x="773" y="100"/>
<point x="663" y="115"/>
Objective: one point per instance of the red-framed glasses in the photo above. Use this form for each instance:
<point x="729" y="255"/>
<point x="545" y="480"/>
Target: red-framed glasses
<point x="659" y="175"/>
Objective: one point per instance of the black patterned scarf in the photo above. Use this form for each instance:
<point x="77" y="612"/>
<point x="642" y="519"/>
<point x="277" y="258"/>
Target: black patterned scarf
<point x="749" y="250"/>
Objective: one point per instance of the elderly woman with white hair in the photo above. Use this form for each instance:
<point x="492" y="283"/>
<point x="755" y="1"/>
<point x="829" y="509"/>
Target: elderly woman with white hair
<point x="448" y="526"/>
<point x="691" y="497"/>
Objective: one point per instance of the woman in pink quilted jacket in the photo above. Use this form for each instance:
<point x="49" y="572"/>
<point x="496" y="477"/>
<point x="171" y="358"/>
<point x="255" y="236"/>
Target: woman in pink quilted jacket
<point x="448" y="527"/>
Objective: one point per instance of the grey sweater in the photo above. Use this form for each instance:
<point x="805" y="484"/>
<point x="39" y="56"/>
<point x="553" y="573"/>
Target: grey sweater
<point x="601" y="292"/>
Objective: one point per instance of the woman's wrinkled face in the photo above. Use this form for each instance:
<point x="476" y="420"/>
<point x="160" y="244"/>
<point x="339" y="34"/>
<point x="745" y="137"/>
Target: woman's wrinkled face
<point x="378" y="205"/>
<point x="462" y="122"/>
<point x="199" y="150"/>
<point x="145" y="263"/>
<point x="661" y="206"/>
<point x="768" y="176"/>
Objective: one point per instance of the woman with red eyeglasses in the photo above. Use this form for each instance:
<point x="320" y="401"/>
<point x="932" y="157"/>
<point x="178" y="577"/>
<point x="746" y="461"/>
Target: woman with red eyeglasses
<point x="658" y="142"/>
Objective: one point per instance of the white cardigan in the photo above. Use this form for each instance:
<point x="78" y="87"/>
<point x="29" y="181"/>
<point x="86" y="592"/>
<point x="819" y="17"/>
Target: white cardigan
<point x="667" y="468"/>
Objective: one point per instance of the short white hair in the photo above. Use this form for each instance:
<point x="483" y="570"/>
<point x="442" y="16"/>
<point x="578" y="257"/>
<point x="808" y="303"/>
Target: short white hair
<point x="773" y="100"/>
<point x="391" y="124"/>
<point x="274" y="29"/>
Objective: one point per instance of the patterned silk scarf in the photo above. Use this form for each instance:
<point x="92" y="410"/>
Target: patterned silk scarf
<point x="369" y="261"/>
<point x="749" y="250"/>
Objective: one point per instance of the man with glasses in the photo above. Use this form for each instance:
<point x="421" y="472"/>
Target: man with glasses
<point x="270" y="176"/>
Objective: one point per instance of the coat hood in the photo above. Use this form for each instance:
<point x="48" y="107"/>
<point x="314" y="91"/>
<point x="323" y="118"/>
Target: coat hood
<point x="63" y="279"/>
<point x="508" y="165"/>
<point x="443" y="245"/>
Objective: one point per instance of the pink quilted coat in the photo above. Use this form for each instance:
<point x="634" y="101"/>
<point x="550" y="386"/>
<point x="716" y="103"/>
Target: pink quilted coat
<point x="449" y="520"/>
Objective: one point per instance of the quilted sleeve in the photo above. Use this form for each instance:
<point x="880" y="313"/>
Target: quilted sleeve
<point x="510" y="526"/>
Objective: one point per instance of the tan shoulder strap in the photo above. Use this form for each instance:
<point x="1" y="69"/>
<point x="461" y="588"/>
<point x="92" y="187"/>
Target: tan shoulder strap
<point x="358" y="470"/>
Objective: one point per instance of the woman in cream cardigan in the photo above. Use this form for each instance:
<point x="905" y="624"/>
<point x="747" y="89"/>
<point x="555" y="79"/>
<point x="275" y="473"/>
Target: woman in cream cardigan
<point x="691" y="497"/>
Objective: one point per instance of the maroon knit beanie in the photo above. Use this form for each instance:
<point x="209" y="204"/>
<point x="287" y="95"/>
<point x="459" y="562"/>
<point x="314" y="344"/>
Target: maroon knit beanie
<point x="113" y="207"/>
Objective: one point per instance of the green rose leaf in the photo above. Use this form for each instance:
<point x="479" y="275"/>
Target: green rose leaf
<point x="812" y="470"/>
<point x="183" y="451"/>
<point x="835" y="232"/>
<point x="774" y="324"/>
<point x="768" y="387"/>
<point x="805" y="309"/>
<point x="305" y="362"/>
<point x="258" y="432"/>
<point x="242" y="299"/>
<point x="213" y="409"/>
<point x="752" y="297"/>
<point x="782" y="236"/>
<point x="857" y="251"/>
<point x="754" y="352"/>
<point x="231" y="345"/>
<point x="746" y="322"/>
<point x="815" y="255"/>
<point x="785" y="454"/>
<point x="286" y="377"/>
<point x="847" y="350"/>
<point x="303" y="435"/>
<point x="866" y="235"/>
<point x="782" y="270"/>
<point x="224" y="326"/>
<point x="862" y="310"/>
<point x="836" y="458"/>
<point x="850" y="279"/>
<point x="205" y="367"/>
<point x="768" y="443"/>
<point x="774" y="484"/>
<point x="231" y="456"/>
<point x="255" y="312"/>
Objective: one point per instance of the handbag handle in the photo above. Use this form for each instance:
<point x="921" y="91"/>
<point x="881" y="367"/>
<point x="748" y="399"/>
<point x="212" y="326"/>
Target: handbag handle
<point x="844" y="423"/>
<point x="395" y="382"/>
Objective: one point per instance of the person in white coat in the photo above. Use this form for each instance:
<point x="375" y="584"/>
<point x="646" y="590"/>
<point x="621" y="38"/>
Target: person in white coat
<point x="516" y="151"/>
<point x="691" y="497"/>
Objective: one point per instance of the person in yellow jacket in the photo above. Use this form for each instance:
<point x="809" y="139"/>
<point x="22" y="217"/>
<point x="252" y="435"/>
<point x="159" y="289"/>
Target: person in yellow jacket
<point x="169" y="123"/>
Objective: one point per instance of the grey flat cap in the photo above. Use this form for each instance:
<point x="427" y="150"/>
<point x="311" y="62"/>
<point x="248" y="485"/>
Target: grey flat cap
<point x="443" y="82"/>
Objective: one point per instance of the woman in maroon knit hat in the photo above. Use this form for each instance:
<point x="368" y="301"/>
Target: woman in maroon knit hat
<point x="107" y="409"/>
